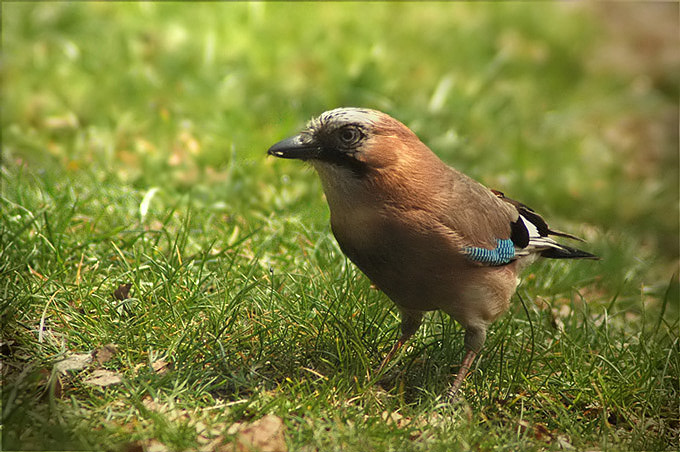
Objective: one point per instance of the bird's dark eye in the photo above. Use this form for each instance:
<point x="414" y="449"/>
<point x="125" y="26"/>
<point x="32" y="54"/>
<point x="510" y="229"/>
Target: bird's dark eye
<point x="349" y="135"/>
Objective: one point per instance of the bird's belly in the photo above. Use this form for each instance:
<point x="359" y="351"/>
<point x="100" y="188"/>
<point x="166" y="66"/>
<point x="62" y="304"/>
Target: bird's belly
<point x="423" y="269"/>
<point x="416" y="269"/>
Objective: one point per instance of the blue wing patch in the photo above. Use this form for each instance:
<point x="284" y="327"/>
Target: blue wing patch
<point x="502" y="254"/>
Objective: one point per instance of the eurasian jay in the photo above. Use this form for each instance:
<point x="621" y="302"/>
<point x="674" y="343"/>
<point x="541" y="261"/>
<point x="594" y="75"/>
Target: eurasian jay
<point x="425" y="234"/>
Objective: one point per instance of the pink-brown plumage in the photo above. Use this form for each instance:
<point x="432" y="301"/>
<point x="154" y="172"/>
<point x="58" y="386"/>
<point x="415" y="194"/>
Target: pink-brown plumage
<point x="427" y="235"/>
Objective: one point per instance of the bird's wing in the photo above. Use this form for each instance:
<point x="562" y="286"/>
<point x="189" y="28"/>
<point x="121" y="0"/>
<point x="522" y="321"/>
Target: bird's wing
<point x="487" y="229"/>
<point x="495" y="230"/>
<point x="539" y="232"/>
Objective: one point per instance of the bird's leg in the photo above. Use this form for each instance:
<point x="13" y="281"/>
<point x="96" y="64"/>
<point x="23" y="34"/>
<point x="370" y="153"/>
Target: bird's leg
<point x="462" y="373"/>
<point x="474" y="339"/>
<point x="395" y="348"/>
<point x="410" y="321"/>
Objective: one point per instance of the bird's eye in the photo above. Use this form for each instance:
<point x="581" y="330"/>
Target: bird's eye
<point x="349" y="135"/>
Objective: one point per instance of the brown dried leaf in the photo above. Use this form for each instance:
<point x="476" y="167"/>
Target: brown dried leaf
<point x="137" y="446"/>
<point x="77" y="361"/>
<point x="234" y="428"/>
<point x="105" y="353"/>
<point x="122" y="292"/>
<point x="209" y="437"/>
<point x="264" y="435"/>
<point x="539" y="431"/>
<point x="55" y="385"/>
<point x="160" y="366"/>
<point x="393" y="417"/>
<point x="542" y="433"/>
<point x="563" y="442"/>
<point x="151" y="404"/>
<point x="155" y="446"/>
<point x="103" y="377"/>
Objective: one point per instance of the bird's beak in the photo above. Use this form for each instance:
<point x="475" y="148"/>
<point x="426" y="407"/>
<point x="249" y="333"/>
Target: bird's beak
<point x="295" y="148"/>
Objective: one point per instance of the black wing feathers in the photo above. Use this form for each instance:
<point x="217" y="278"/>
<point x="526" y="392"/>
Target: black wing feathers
<point x="567" y="252"/>
<point x="520" y="236"/>
<point x="528" y="213"/>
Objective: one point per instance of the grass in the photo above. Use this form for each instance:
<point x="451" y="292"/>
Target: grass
<point x="133" y="154"/>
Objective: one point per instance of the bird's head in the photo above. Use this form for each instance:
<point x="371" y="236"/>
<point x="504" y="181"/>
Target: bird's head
<point x="357" y="139"/>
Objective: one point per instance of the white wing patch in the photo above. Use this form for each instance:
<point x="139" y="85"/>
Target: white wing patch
<point x="533" y="230"/>
<point x="537" y="242"/>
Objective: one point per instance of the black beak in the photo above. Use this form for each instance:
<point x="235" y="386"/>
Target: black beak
<point x="293" y="148"/>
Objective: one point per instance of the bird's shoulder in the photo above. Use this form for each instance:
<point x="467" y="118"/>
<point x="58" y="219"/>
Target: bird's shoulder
<point x="474" y="212"/>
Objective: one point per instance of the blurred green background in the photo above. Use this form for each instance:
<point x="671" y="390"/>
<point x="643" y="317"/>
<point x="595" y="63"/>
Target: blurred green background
<point x="572" y="108"/>
<point x="117" y="116"/>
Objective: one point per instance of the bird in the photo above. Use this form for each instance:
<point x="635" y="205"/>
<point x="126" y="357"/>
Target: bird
<point x="427" y="235"/>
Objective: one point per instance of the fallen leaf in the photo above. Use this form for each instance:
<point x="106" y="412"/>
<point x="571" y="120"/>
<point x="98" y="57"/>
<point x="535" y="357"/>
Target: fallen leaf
<point x="539" y="431"/>
<point x="122" y="292"/>
<point x="542" y="433"/>
<point x="137" y="446"/>
<point x="74" y="362"/>
<point x="235" y="428"/>
<point x="264" y="435"/>
<point x="209" y="437"/>
<point x="105" y="353"/>
<point x="155" y="446"/>
<point x="160" y="366"/>
<point x="168" y="409"/>
<point x="57" y="386"/>
<point x="151" y="404"/>
<point x="103" y="377"/>
<point x="564" y="443"/>
<point x="555" y="320"/>
<point x="392" y="417"/>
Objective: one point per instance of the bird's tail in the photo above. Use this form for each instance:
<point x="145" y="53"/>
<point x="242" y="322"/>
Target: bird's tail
<point x="559" y="251"/>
